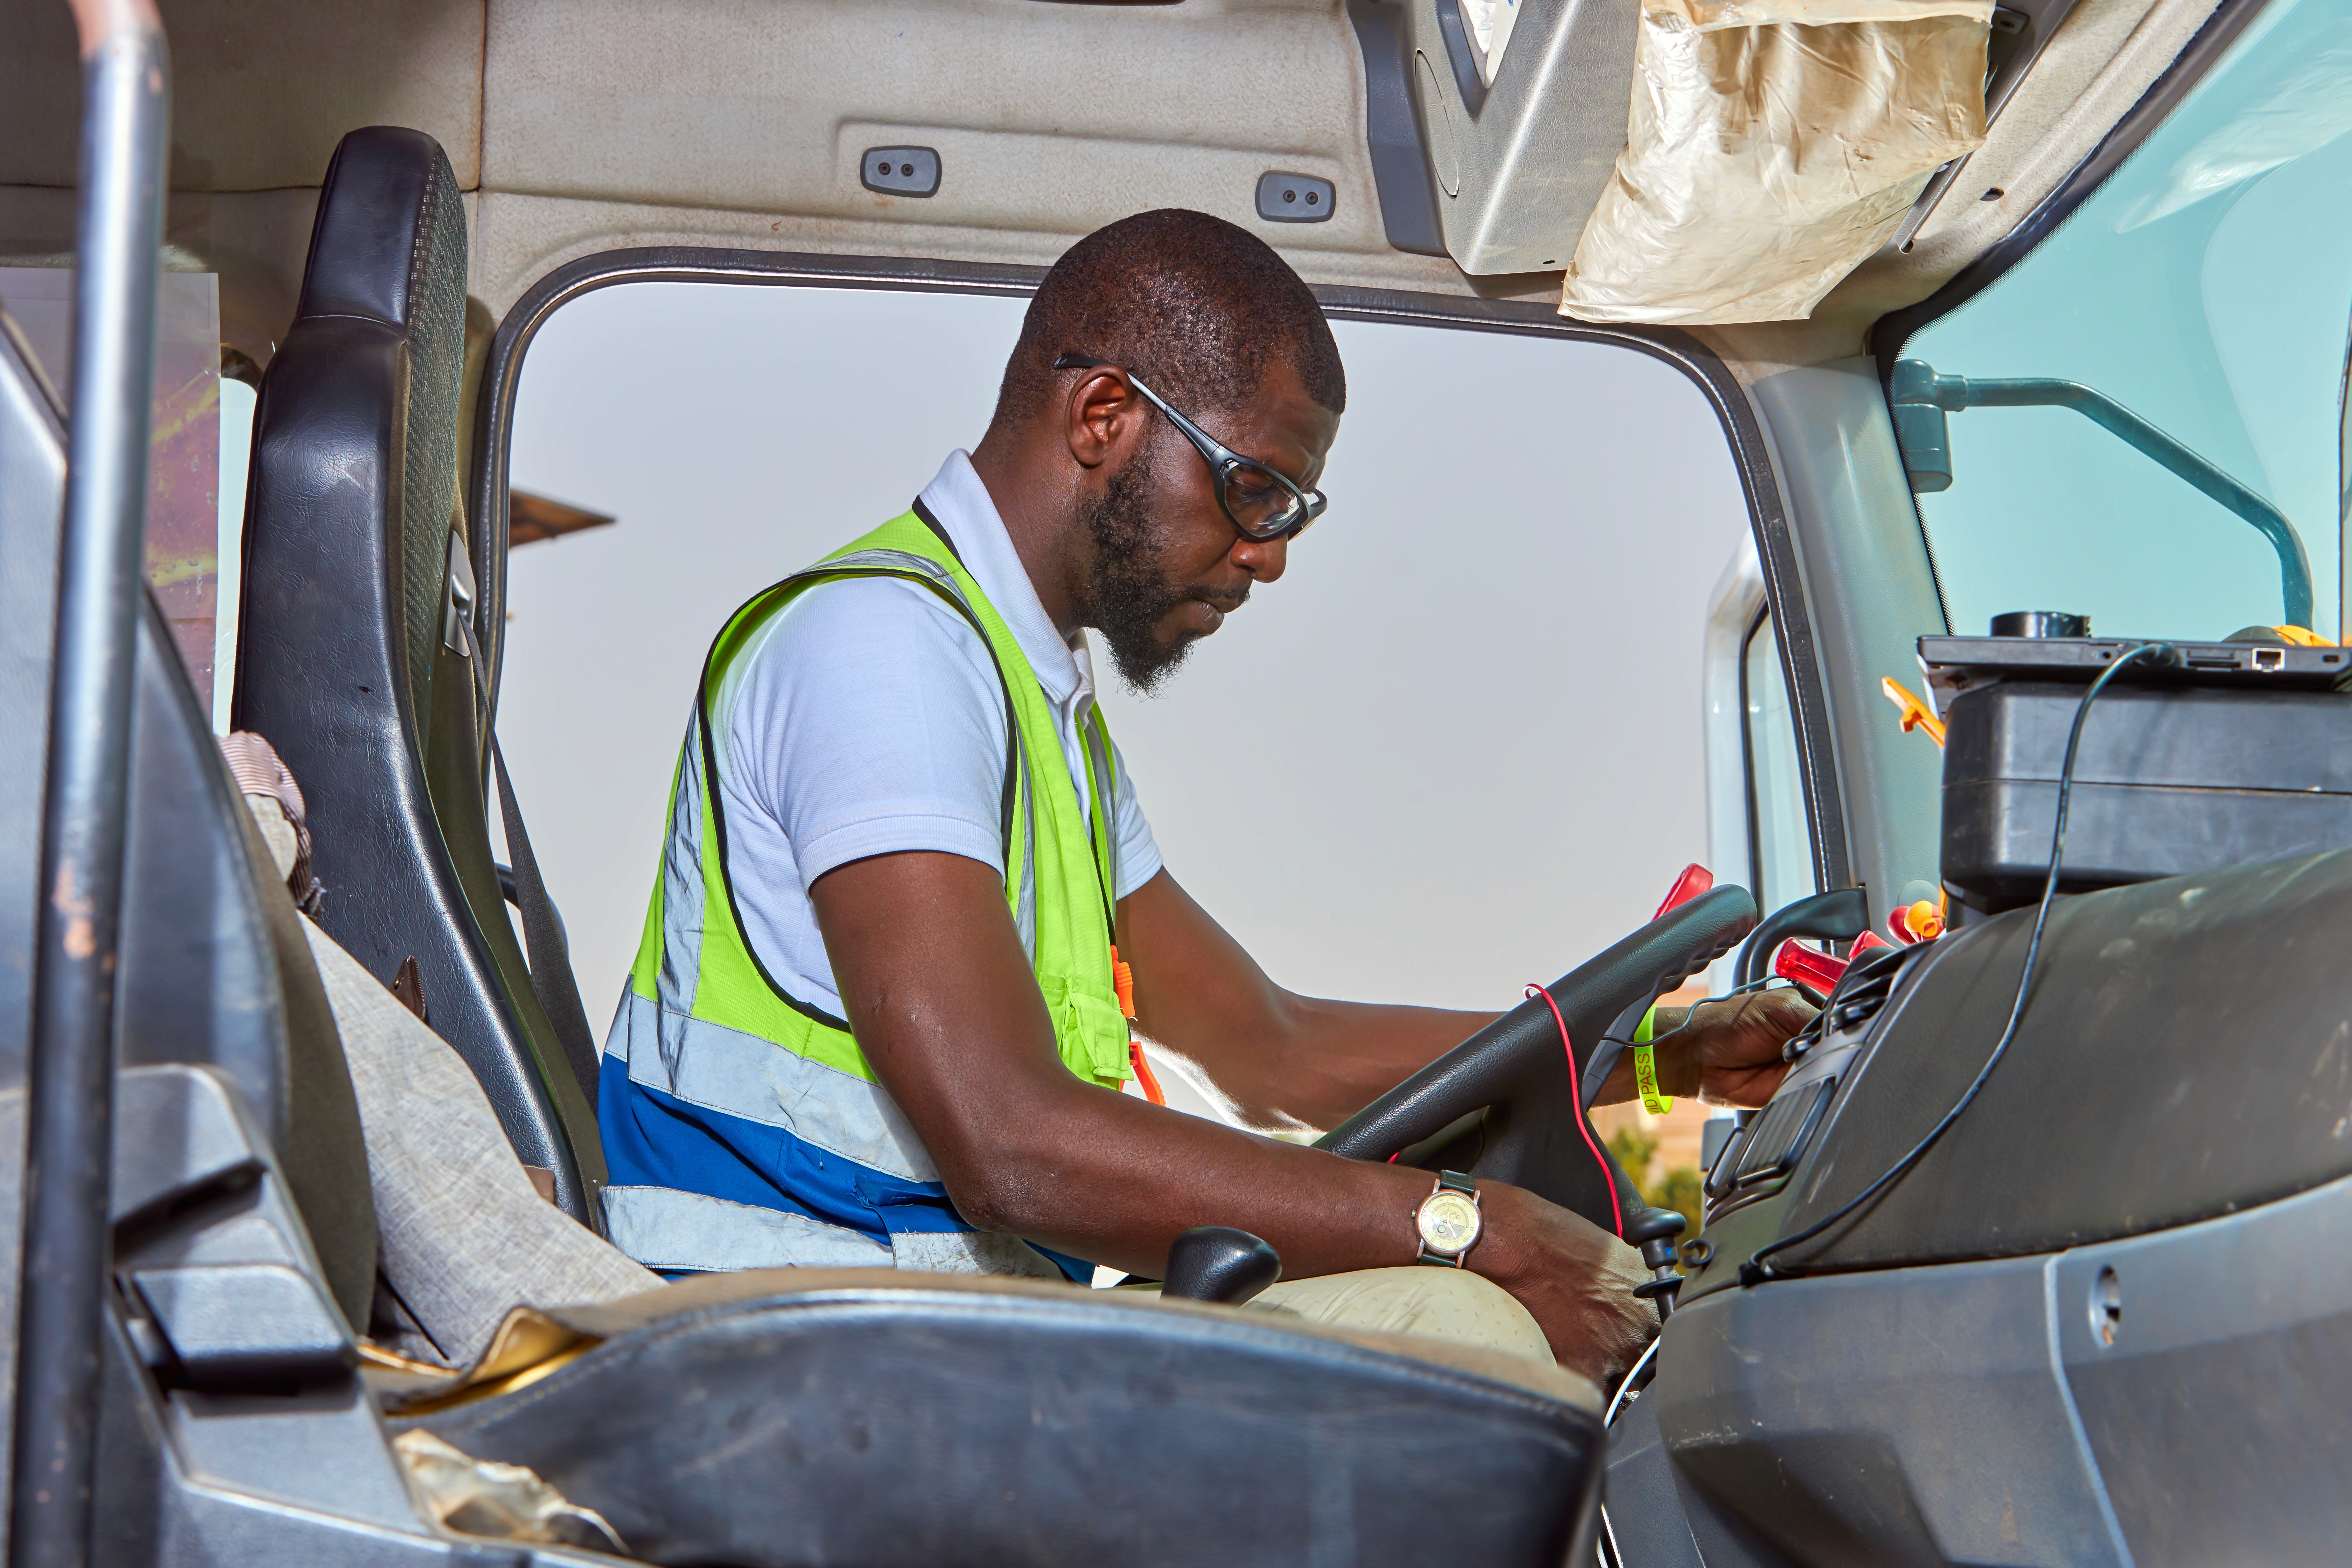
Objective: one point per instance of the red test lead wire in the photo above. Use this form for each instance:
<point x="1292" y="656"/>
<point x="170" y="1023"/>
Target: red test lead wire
<point x="1583" y="1126"/>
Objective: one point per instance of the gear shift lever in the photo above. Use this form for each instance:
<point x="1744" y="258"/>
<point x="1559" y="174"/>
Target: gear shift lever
<point x="1654" y="1231"/>
<point x="1217" y="1263"/>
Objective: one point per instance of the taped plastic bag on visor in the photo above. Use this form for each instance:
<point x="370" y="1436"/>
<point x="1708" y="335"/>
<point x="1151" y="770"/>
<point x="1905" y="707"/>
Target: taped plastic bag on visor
<point x="1771" y="146"/>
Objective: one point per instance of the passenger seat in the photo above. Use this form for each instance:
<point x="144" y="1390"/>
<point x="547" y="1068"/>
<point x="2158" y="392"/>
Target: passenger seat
<point x="355" y="654"/>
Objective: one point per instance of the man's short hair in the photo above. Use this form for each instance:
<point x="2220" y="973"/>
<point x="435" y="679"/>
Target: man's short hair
<point x="1198" y="307"/>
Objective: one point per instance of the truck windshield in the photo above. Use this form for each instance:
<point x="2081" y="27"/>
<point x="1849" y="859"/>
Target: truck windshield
<point x="2145" y="416"/>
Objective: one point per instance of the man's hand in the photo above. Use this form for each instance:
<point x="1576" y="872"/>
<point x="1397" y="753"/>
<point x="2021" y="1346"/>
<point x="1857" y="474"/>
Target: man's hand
<point x="1727" y="1053"/>
<point x="1575" y="1277"/>
<point x="1730" y="1051"/>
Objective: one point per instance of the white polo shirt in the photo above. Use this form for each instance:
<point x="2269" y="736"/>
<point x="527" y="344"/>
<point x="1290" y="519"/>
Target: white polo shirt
<point x="866" y="718"/>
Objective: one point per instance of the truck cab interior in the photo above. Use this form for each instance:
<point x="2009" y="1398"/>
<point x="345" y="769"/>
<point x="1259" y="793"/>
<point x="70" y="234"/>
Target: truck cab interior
<point x="2029" y="1261"/>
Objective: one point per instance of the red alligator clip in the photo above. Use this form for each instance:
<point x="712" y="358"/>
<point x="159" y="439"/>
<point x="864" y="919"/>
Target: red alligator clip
<point x="1819" y="971"/>
<point x="1696" y="879"/>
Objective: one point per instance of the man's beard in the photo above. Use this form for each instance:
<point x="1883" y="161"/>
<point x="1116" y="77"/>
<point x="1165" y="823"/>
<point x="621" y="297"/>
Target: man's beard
<point x="1127" y="591"/>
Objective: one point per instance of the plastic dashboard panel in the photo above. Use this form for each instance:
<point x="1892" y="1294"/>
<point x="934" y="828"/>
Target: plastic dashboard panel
<point x="2181" y="1057"/>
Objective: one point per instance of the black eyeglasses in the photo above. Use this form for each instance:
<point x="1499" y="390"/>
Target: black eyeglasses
<point x="1257" y="501"/>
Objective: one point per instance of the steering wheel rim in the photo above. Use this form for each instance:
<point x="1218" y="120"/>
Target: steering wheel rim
<point x="1515" y="1071"/>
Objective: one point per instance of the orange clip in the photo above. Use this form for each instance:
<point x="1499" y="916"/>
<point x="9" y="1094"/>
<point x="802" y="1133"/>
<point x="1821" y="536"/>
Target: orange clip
<point x="1143" y="1072"/>
<point x="1122" y="980"/>
<point x="1922" y="921"/>
<point x="1916" y="715"/>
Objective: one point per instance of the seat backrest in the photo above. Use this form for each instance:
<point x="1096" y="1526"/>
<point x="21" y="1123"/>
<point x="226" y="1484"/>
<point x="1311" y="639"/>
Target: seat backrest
<point x="351" y="658"/>
<point x="212" y="969"/>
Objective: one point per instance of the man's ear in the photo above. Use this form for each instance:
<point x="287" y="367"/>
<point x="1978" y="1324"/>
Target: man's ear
<point x="1102" y="416"/>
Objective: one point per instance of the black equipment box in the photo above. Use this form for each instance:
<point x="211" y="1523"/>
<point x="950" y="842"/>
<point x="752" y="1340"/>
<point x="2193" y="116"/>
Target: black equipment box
<point x="2175" y="774"/>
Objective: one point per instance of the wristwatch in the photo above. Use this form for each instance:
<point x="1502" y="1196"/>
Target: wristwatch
<point x="1447" y="1222"/>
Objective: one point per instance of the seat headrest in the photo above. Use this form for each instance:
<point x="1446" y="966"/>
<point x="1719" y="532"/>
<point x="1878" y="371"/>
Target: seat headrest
<point x="390" y="242"/>
<point x="387" y="249"/>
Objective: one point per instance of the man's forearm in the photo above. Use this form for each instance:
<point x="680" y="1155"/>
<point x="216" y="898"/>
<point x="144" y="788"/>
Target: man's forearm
<point x="1115" y="1179"/>
<point x="1282" y="1061"/>
<point x="1112" y="1178"/>
<point x="949" y="1014"/>
<point x="1315" y="1063"/>
<point x="944" y="1005"/>
<point x="1678" y="1071"/>
<point x="1729" y="1051"/>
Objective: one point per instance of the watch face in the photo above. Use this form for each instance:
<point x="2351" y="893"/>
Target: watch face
<point x="1448" y="1222"/>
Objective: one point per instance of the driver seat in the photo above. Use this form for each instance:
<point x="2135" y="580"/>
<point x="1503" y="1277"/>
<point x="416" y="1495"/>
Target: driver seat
<point x="781" y="1417"/>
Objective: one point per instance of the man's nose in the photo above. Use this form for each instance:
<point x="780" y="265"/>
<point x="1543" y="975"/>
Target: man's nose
<point x="1263" y="558"/>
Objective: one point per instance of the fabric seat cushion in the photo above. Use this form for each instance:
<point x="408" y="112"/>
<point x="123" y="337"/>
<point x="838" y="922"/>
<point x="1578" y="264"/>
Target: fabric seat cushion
<point x="464" y="1237"/>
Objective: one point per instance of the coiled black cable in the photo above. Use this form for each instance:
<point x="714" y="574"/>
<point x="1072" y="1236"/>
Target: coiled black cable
<point x="1757" y="1269"/>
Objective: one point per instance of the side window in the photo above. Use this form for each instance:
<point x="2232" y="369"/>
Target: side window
<point x="1780" y="846"/>
<point x="1457" y="746"/>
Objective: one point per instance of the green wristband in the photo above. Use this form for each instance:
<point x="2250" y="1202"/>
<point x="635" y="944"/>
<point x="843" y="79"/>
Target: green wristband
<point x="1645" y="1066"/>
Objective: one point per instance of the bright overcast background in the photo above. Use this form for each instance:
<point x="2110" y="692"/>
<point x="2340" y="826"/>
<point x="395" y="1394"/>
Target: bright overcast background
<point x="1457" y="748"/>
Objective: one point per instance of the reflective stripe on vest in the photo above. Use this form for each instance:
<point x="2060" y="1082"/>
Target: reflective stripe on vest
<point x="743" y="1126"/>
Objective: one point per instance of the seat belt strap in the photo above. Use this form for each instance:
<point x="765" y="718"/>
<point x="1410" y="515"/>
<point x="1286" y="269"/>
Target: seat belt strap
<point x="545" y="947"/>
<point x="544" y="940"/>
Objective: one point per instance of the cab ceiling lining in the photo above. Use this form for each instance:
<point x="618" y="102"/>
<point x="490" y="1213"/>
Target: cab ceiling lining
<point x="1040" y="112"/>
<point x="522" y="238"/>
<point x="261" y="89"/>
<point x="591" y="125"/>
<point x="493" y="427"/>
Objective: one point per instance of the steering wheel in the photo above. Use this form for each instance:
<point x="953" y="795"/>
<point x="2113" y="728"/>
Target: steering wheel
<point x="1503" y="1104"/>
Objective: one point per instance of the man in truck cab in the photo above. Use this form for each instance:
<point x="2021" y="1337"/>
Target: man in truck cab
<point x="879" y="1014"/>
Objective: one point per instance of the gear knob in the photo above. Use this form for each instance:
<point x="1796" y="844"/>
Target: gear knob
<point x="1654" y="1231"/>
<point x="1649" y="1227"/>
<point x="1217" y="1263"/>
